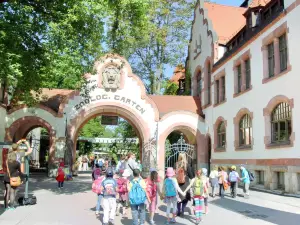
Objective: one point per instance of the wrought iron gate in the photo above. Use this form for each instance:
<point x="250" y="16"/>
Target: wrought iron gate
<point x="173" y="151"/>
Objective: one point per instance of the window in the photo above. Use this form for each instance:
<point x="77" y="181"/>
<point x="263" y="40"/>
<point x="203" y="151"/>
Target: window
<point x="271" y="60"/>
<point x="249" y="21"/>
<point x="199" y="84"/>
<point x="245" y="131"/>
<point x="280" y="180"/>
<point x="260" y="177"/>
<point x="248" y="73"/>
<point x="239" y="80"/>
<point x="223" y="89"/>
<point x="217" y="91"/>
<point x="283" y="52"/>
<point x="208" y="83"/>
<point x="281" y="126"/>
<point x="221" y="135"/>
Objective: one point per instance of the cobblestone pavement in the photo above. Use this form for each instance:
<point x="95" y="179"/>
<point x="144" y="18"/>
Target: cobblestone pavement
<point x="75" y="204"/>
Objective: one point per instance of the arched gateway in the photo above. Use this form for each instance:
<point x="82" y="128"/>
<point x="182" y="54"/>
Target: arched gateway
<point x="115" y="90"/>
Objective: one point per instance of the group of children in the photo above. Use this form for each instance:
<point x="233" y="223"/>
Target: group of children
<point x="119" y="190"/>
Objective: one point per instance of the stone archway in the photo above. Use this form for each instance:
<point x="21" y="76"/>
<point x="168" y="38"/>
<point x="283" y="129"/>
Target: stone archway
<point x="21" y="127"/>
<point x="141" y="128"/>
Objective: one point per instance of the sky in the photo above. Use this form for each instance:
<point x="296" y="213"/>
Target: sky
<point x="169" y="69"/>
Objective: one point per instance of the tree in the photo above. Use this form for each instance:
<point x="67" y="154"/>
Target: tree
<point x="171" y="88"/>
<point x="92" y="128"/>
<point x="53" y="43"/>
<point x="163" y="42"/>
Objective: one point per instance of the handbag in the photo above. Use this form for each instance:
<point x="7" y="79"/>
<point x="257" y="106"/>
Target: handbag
<point x="14" y="181"/>
<point x="225" y="184"/>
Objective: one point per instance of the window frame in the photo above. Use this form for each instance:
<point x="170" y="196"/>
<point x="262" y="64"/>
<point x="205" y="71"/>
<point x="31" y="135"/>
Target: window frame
<point x="217" y="91"/>
<point x="221" y="135"/>
<point x="239" y="78"/>
<point x="223" y="94"/>
<point x="284" y="109"/>
<point x="245" y="125"/>
<point x="199" y="84"/>
<point x="248" y="73"/>
<point x="271" y="60"/>
<point x="208" y="83"/>
<point x="283" y="52"/>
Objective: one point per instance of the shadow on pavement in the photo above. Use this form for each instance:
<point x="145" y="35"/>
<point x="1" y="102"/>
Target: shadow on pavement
<point x="257" y="212"/>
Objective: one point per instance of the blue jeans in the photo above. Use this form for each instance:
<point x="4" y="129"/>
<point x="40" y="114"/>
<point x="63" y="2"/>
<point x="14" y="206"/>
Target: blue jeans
<point x="99" y="199"/>
<point x="138" y="211"/>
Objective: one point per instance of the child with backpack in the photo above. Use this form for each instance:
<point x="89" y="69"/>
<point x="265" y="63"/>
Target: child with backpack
<point x="205" y="180"/>
<point x="96" y="172"/>
<point x="152" y="184"/>
<point x="96" y="188"/>
<point x="123" y="192"/>
<point x="137" y="197"/>
<point x="60" y="177"/>
<point x="109" y="188"/>
<point x="170" y="194"/>
<point x="233" y="179"/>
<point x="199" y="188"/>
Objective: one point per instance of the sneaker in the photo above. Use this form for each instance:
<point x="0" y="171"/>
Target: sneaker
<point x="173" y="220"/>
<point x="12" y="208"/>
<point x="97" y="213"/>
<point x="152" y="222"/>
<point x="167" y="222"/>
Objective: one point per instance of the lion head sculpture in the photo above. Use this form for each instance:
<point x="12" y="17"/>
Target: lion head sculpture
<point x="111" y="77"/>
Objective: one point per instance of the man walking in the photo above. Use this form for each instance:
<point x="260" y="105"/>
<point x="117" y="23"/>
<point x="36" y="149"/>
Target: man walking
<point x="233" y="179"/>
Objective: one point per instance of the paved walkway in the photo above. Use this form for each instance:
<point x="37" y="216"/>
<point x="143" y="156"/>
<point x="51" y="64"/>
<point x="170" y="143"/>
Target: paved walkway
<point x="75" y="204"/>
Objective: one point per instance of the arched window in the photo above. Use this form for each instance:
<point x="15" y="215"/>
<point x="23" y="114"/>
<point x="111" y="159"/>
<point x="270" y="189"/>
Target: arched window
<point x="245" y="130"/>
<point x="199" y="83"/>
<point x="281" y="126"/>
<point x="221" y="135"/>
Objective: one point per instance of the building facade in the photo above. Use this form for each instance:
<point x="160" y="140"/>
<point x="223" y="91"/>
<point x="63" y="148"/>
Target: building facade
<point x="243" y="64"/>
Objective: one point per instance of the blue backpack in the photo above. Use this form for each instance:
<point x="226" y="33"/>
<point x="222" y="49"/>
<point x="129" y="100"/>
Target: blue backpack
<point x="170" y="189"/>
<point x="137" y="194"/>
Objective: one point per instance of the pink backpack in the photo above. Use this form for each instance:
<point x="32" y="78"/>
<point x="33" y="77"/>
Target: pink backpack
<point x="151" y="188"/>
<point x="96" y="186"/>
<point x="122" y="185"/>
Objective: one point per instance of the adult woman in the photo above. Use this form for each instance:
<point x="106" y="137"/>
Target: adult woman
<point x="213" y="176"/>
<point x="184" y="174"/>
<point x="223" y="177"/>
<point x="13" y="165"/>
<point x="131" y="163"/>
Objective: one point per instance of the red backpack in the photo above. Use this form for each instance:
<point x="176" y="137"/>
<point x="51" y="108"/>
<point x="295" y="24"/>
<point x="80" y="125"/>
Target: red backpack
<point x="122" y="185"/>
<point x="96" y="186"/>
<point x="181" y="176"/>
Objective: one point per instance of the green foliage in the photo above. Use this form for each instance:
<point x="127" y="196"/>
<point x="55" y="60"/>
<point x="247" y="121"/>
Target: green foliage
<point x="171" y="88"/>
<point x="53" y="43"/>
<point x="164" y="41"/>
<point x="85" y="148"/>
<point x="188" y="83"/>
<point x="92" y="128"/>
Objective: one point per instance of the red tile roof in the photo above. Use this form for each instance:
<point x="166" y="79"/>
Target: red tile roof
<point x="52" y="98"/>
<point x="226" y="20"/>
<point x="170" y="103"/>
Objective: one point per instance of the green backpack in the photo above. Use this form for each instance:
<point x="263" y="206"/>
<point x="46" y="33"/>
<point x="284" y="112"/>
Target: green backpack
<point x="198" y="187"/>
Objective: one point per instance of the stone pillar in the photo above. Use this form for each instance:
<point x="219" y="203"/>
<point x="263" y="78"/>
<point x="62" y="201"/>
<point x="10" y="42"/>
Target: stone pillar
<point x="268" y="178"/>
<point x="276" y="56"/>
<point x="36" y="145"/>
